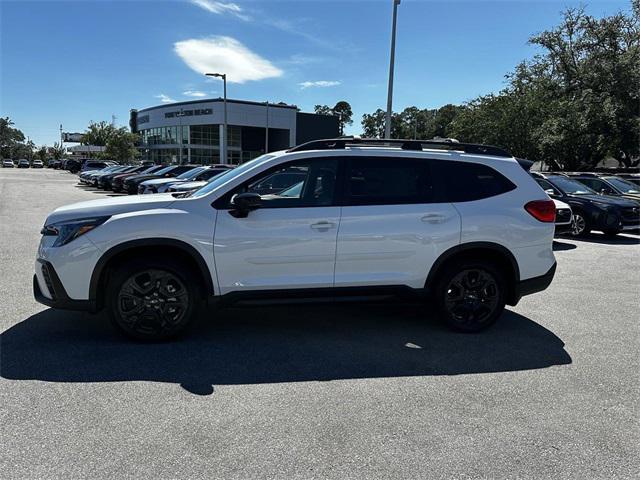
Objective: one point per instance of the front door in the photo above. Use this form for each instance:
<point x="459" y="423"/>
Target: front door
<point x="290" y="241"/>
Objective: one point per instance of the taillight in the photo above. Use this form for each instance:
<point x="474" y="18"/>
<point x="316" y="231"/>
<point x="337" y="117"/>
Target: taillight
<point x="542" y="210"/>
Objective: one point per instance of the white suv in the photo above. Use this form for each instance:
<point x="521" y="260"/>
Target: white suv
<point x="461" y="224"/>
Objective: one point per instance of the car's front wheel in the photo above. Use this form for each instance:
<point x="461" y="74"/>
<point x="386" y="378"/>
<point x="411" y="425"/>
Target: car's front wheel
<point x="470" y="295"/>
<point x="152" y="300"/>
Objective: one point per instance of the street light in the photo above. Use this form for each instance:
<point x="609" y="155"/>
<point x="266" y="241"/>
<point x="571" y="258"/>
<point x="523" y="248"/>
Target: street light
<point x="387" y="123"/>
<point x="223" y="144"/>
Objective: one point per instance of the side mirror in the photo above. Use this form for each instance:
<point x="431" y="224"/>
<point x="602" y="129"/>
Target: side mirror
<point x="243" y="203"/>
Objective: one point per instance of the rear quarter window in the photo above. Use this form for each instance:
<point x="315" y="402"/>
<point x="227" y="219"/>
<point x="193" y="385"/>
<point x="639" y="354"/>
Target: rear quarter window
<point x="465" y="182"/>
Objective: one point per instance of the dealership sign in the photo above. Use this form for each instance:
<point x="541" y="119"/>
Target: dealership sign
<point x="72" y="137"/>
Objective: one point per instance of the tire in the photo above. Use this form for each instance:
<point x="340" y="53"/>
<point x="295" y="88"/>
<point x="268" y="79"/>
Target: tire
<point x="153" y="299"/>
<point x="580" y="226"/>
<point x="466" y="307"/>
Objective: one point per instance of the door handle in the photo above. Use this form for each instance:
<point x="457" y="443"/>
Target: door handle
<point x="433" y="218"/>
<point x="323" y="226"/>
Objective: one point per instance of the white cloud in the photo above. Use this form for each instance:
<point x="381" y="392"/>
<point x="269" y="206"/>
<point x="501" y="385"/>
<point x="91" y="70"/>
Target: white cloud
<point x="221" y="8"/>
<point x="165" y="98"/>
<point x="194" y="93"/>
<point x="319" y="83"/>
<point x="225" y="55"/>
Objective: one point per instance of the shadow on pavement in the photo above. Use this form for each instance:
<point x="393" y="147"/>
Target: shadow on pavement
<point x="620" y="239"/>
<point x="274" y="344"/>
<point x="559" y="246"/>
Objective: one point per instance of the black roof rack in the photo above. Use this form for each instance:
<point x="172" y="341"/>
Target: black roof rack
<point x="416" y="145"/>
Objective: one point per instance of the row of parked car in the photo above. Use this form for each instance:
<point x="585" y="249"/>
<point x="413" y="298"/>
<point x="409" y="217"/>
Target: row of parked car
<point x="22" y="163"/>
<point x="151" y="178"/>
<point x="602" y="202"/>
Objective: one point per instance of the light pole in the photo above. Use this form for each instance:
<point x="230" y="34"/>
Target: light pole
<point x="387" y="123"/>
<point x="266" y="134"/>
<point x="180" y="115"/>
<point x="223" y="144"/>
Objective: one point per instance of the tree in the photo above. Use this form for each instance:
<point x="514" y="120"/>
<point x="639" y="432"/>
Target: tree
<point x="98" y="133"/>
<point x="342" y="110"/>
<point x="322" y="110"/>
<point x="121" y="145"/>
<point x="42" y="153"/>
<point x="57" y="151"/>
<point x="11" y="139"/>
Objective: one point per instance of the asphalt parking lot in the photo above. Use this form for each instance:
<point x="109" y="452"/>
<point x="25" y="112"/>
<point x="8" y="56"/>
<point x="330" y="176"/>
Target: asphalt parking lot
<point x="331" y="391"/>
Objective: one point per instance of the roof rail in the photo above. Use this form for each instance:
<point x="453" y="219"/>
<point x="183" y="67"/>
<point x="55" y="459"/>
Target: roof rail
<point x="415" y="145"/>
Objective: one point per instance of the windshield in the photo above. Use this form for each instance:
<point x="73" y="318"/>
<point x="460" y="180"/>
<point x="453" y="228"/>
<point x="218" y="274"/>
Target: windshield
<point x="230" y="175"/>
<point x="623" y="185"/>
<point x="165" y="170"/>
<point x="191" y="173"/>
<point x="571" y="186"/>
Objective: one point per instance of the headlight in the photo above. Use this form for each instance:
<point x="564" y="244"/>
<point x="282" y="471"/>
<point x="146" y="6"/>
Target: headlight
<point x="72" y="229"/>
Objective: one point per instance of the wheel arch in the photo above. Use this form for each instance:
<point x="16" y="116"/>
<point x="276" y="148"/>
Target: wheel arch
<point x="486" y="251"/>
<point x="146" y="246"/>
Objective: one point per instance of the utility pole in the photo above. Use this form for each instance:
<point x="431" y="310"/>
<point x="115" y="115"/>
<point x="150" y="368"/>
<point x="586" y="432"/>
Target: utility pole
<point x="387" y="123"/>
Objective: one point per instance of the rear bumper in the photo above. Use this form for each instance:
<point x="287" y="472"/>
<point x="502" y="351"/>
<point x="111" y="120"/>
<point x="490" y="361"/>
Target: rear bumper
<point x="58" y="295"/>
<point x="535" y="284"/>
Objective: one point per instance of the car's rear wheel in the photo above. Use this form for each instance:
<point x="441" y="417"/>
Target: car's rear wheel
<point x="470" y="295"/>
<point x="152" y="300"/>
<point x="580" y="226"/>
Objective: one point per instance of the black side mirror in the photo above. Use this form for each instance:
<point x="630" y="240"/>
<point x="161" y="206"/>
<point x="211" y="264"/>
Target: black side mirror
<point x="243" y="203"/>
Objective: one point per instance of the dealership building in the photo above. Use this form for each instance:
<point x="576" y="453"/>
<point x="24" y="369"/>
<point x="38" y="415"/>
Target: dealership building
<point x="190" y="132"/>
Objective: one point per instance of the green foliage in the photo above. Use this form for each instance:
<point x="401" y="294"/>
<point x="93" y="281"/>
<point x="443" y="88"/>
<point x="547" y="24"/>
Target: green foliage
<point x="342" y="110"/>
<point x="11" y="140"/>
<point x="57" y="151"/>
<point x="571" y="106"/>
<point x="41" y="153"/>
<point x="98" y="134"/>
<point x="121" y="145"/>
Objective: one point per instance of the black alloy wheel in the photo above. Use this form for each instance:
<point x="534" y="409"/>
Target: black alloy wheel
<point x="471" y="296"/>
<point x="153" y="302"/>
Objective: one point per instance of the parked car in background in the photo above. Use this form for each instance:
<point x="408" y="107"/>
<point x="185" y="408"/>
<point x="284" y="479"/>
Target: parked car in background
<point x="187" y="187"/>
<point x="72" y="165"/>
<point x="104" y="181"/>
<point x="591" y="211"/>
<point x="107" y="171"/>
<point x="608" y="185"/>
<point x="161" y="185"/>
<point x="7" y="163"/>
<point x="37" y="164"/>
<point x="564" y="217"/>
<point x="23" y="163"/>
<point x="96" y="165"/>
<point x="467" y="226"/>
<point x="630" y="177"/>
<point x="117" y="183"/>
<point x="56" y="164"/>
<point x="131" y="184"/>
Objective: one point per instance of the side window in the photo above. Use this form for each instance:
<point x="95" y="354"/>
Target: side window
<point x="465" y="181"/>
<point x="304" y="183"/>
<point x="595" y="184"/>
<point x="388" y="181"/>
<point x="547" y="186"/>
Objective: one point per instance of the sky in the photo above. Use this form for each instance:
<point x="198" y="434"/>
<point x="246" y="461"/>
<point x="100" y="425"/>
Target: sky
<point x="72" y="62"/>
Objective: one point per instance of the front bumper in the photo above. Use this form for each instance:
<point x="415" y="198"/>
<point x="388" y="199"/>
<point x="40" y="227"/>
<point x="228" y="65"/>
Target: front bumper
<point x="57" y="295"/>
<point x="535" y="284"/>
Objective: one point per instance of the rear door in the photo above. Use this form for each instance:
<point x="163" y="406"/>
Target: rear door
<point x="391" y="230"/>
